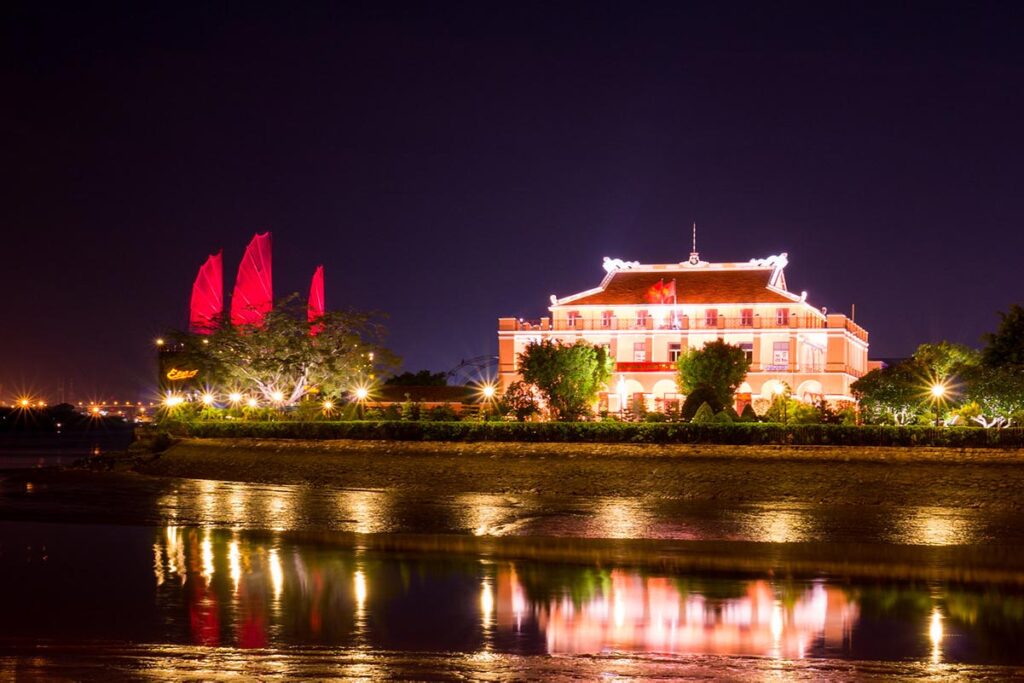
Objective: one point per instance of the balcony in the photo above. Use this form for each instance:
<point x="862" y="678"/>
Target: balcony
<point x="650" y="323"/>
<point x="645" y="367"/>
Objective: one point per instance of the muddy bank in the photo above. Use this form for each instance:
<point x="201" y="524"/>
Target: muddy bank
<point x="829" y="475"/>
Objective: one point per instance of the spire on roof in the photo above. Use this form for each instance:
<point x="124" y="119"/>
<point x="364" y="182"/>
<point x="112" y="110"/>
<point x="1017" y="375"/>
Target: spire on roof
<point x="694" y="256"/>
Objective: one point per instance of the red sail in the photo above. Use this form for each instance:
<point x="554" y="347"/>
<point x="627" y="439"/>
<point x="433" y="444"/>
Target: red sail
<point x="207" y="295"/>
<point x="254" y="292"/>
<point x="316" y="307"/>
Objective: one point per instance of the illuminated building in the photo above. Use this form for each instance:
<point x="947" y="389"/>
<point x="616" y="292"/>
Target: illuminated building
<point x="646" y="316"/>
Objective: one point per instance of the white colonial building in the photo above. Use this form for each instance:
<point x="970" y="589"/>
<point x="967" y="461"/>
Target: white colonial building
<point x="647" y="315"/>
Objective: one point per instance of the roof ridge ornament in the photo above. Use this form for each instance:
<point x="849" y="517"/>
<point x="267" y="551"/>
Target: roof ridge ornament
<point x="610" y="265"/>
<point x="776" y="262"/>
<point x="694" y="255"/>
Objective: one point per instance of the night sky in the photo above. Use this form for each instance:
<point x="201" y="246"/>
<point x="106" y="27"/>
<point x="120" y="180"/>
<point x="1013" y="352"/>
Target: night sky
<point x="450" y="164"/>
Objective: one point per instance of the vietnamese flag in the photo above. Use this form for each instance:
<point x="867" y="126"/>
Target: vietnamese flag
<point x="668" y="292"/>
<point x="656" y="294"/>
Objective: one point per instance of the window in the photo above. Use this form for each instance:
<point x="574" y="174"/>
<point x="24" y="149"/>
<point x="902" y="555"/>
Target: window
<point x="639" y="352"/>
<point x="747" y="317"/>
<point x="606" y="318"/>
<point x="780" y="354"/>
<point x="675" y="349"/>
<point x="748" y="350"/>
<point x="782" y="317"/>
<point x="711" y="317"/>
<point x="574" y="317"/>
<point x="641" y="319"/>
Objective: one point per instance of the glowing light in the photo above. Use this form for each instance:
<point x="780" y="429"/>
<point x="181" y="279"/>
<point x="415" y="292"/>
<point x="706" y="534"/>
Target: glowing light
<point x="277" y="396"/>
<point x="935" y="634"/>
<point x="488" y="391"/>
<point x="779" y="389"/>
<point x="776" y="622"/>
<point x="938" y="390"/>
<point x="486" y="601"/>
<point x="174" y="400"/>
<point x="95" y="410"/>
<point x="159" y="342"/>
<point x="25" y="403"/>
<point x="362" y="393"/>
<point x="359" y="581"/>
<point x="207" y="555"/>
<point x="252" y="403"/>
<point x="276" y="574"/>
<point x="208" y="399"/>
<point x="233" y="561"/>
<point x="328" y="405"/>
<point x="234" y="397"/>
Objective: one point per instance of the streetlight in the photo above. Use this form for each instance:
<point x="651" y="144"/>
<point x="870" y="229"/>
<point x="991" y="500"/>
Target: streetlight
<point x="780" y="393"/>
<point x="361" y="394"/>
<point x="938" y="392"/>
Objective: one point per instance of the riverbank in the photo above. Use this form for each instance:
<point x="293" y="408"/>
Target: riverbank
<point x="813" y="474"/>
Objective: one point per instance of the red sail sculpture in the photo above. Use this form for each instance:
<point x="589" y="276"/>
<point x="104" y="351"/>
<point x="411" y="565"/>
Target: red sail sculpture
<point x="254" y="292"/>
<point x="207" y="295"/>
<point x="316" y="308"/>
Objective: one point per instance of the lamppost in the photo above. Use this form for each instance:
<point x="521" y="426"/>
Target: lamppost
<point x="621" y="390"/>
<point x="488" y="395"/>
<point x="361" y="394"/>
<point x="938" y="392"/>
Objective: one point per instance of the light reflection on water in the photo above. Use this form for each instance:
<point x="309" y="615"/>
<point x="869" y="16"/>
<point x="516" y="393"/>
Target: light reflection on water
<point x="292" y="593"/>
<point x="246" y="506"/>
<point x="218" y="591"/>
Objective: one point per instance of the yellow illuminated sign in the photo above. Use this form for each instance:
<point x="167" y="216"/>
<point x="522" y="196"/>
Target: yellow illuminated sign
<point x="174" y="374"/>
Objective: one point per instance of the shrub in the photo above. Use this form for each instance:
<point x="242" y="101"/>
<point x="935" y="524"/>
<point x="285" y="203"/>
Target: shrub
<point x="748" y="414"/>
<point x="704" y="414"/>
<point x="442" y="413"/>
<point x="612" y="431"/>
<point x="723" y="418"/>
<point x="696" y="399"/>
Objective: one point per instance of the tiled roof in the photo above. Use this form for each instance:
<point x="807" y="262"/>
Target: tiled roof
<point x="711" y="286"/>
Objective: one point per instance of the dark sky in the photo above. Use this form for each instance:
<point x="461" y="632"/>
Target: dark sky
<point x="452" y="163"/>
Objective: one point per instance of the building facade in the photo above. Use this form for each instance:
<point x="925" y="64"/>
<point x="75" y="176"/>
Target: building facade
<point x="647" y="315"/>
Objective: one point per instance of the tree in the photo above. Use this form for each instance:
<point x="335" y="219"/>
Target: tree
<point x="520" y="399"/>
<point x="719" y="366"/>
<point x="281" y="360"/>
<point x="895" y="394"/>
<point x="423" y="378"/>
<point x="998" y="394"/>
<point x="568" y="376"/>
<point x="1005" y="346"/>
<point x="945" y="360"/>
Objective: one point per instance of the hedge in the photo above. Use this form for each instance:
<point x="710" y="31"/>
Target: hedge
<point x="616" y="432"/>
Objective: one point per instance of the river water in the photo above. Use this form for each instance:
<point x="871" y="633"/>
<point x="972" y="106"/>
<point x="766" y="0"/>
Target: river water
<point x="139" y="577"/>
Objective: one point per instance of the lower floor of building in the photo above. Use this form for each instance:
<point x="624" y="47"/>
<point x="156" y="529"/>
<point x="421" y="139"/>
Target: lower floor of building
<point x="658" y="391"/>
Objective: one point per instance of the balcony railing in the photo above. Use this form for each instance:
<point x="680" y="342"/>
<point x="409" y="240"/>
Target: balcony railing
<point x="678" y="323"/>
<point x="645" y="367"/>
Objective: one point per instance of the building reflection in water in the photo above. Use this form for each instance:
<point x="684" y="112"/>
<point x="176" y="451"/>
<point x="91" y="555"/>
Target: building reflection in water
<point x="236" y="590"/>
<point x="635" y="613"/>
